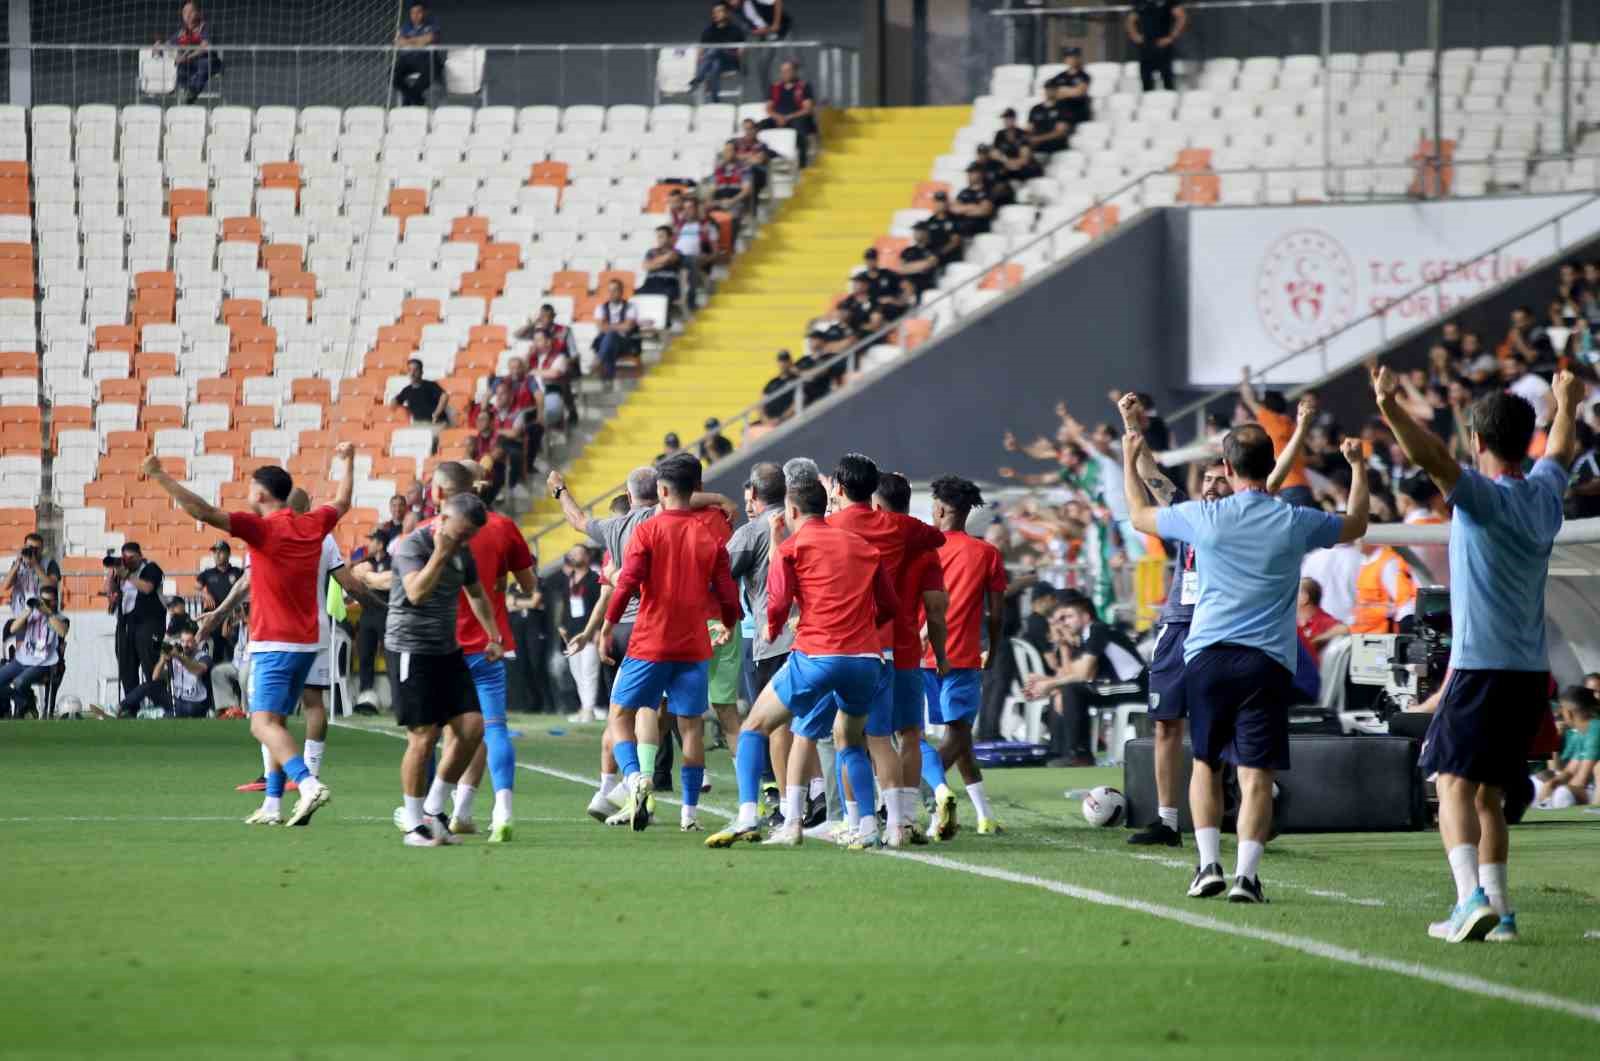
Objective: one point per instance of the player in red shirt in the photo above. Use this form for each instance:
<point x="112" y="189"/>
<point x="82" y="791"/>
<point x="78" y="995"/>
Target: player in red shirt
<point x="844" y="593"/>
<point x="898" y="540"/>
<point x="975" y="578"/>
<point x="923" y="603"/>
<point x="285" y="548"/>
<point x="672" y="562"/>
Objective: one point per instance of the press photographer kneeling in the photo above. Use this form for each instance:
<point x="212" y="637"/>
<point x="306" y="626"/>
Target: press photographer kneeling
<point x="178" y="683"/>
<point x="39" y="633"/>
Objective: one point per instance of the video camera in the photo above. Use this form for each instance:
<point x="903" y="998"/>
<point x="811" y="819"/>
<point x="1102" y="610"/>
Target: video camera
<point x="1407" y="667"/>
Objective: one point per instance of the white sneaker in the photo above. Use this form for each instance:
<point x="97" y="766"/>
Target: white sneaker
<point x="583" y="715"/>
<point x="895" y="835"/>
<point x="420" y="837"/>
<point x="825" y="832"/>
<point x="262" y="816"/>
<point x="600" y="807"/>
<point x="785" y="835"/>
<point x="314" y="795"/>
<point x="439" y="828"/>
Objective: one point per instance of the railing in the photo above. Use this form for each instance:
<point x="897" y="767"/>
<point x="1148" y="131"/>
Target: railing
<point x="944" y="304"/>
<point x="1380" y="317"/>
<point x="510" y="74"/>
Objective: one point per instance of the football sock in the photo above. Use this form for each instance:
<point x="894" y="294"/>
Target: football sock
<point x="463" y="800"/>
<point x="411" y="812"/>
<point x="275" y="783"/>
<point x="747" y="763"/>
<point x="691" y="776"/>
<point x="891" y="806"/>
<point x="272" y="804"/>
<point x="626" y="753"/>
<point x="266" y="761"/>
<point x="647" y="758"/>
<point x="433" y="763"/>
<point x="502" y="805"/>
<point x="852" y="814"/>
<point x="859" y="769"/>
<point x="1464" y="867"/>
<point x="1493" y="877"/>
<point x="794" y="804"/>
<point x="932" y="768"/>
<point x="502" y="755"/>
<point x="980" y="801"/>
<point x="1168" y="816"/>
<point x="297" y="769"/>
<point x="688" y="813"/>
<point x="816" y="788"/>
<point x="1248" y="859"/>
<point x="1208" y="842"/>
<point x="313" y="755"/>
<point x="607" y="783"/>
<point x="438" y="792"/>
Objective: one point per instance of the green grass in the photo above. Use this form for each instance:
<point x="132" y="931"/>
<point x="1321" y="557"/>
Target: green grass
<point x="141" y="920"/>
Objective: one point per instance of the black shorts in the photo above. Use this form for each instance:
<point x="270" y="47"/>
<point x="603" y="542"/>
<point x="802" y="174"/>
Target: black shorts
<point x="431" y="688"/>
<point x="1485" y="725"/>
<point x="1167" y="699"/>
<point x="1238" y="700"/>
<point x="767" y="669"/>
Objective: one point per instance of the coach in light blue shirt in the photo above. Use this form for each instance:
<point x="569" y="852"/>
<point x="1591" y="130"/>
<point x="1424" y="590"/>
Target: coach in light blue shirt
<point x="1497" y="694"/>
<point x="1239" y="660"/>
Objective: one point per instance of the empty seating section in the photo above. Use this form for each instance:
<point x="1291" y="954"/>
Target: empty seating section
<point x="234" y="286"/>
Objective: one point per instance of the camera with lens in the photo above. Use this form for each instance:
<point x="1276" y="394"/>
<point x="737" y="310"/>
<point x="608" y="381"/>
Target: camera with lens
<point x="171" y="646"/>
<point x="29" y="552"/>
<point x="41" y="605"/>
<point x="1407" y="667"/>
<point x="112" y="561"/>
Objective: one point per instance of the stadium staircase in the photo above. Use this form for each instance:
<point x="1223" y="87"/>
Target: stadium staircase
<point x="871" y="162"/>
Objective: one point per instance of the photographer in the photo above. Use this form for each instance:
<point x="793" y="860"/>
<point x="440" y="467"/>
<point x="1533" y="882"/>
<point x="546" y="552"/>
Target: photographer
<point x="32" y="572"/>
<point x="178" y="684"/>
<point x="133" y="592"/>
<point x="39" y="632"/>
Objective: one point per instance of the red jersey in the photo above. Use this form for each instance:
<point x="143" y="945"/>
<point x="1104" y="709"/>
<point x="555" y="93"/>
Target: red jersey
<point x="670" y="560"/>
<point x="843" y="590"/>
<point x="285" y="550"/>
<point x="1320" y="622"/>
<point x="973" y="569"/>
<point x="917" y="576"/>
<point x="896" y="537"/>
<point x="714" y="520"/>
<point x="497" y="549"/>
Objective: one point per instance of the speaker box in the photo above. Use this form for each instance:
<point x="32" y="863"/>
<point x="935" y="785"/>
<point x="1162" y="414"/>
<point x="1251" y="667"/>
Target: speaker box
<point x="1337" y="784"/>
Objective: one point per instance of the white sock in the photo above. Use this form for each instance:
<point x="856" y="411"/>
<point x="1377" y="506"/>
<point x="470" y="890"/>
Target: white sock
<point x="1168" y="816"/>
<point x="1493" y="877"/>
<point x="313" y="755"/>
<point x="688" y="814"/>
<point x="980" y="801"/>
<point x="271" y="804"/>
<point x="411" y="813"/>
<point x="747" y="816"/>
<point x="794" y="804"/>
<point x="891" y="806"/>
<point x="607" y="783"/>
<point x="852" y="813"/>
<point x="1464" y="866"/>
<point x="463" y="800"/>
<point x="816" y="788"/>
<point x="437" y="794"/>
<point x="502" y="806"/>
<point x="1248" y="859"/>
<point x="1208" y="842"/>
<point x="266" y="761"/>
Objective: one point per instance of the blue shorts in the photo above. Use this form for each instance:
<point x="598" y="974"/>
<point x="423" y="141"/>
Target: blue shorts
<point x="1167" y="702"/>
<point x="954" y="698"/>
<point x="642" y="683"/>
<point x="1238" y="700"/>
<point x="814" y="689"/>
<point x="883" y="716"/>
<point x="277" y="679"/>
<point x="1485" y="725"/>
<point x="490" y="681"/>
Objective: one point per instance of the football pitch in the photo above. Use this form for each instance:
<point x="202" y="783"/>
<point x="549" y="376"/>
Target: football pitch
<point x="142" y="920"/>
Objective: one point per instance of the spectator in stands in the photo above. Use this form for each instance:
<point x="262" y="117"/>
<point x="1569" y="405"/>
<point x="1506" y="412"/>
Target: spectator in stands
<point x="919" y="263"/>
<point x="670" y="445"/>
<point x="618" y="321"/>
<point x="1010" y="132"/>
<point x="790" y="105"/>
<point x="1583" y="494"/>
<point x="662" y="264"/>
<point x="1049" y="130"/>
<point x="216" y="582"/>
<point x="374" y="614"/>
<point x="1017" y="164"/>
<point x="394" y="526"/>
<point x="695" y="244"/>
<point x="1317" y="627"/>
<point x="1522" y="338"/>
<point x="713" y="445"/>
<point x="550" y="371"/>
<point x="39" y="632"/>
<point x="858" y="311"/>
<point x="828" y="335"/>
<point x="1271" y="411"/>
<point x="195" y="63"/>
<point x="1071" y="87"/>
<point x="414" y="65"/>
<point x="1154" y="26"/>
<point x="974" y="206"/>
<point x="419" y="506"/>
<point x="944" y="238"/>
<point x="424" y="399"/>
<point x="1559" y="328"/>
<point x="714" y="62"/>
<point x="891" y="291"/>
<point x="768" y="22"/>
<point x="1530" y="387"/>
<point x="484" y="436"/>
<point x="33" y="571"/>
<point x="779" y="407"/>
<point x="731" y="187"/>
<point x="752" y="154"/>
<point x="134" y="597"/>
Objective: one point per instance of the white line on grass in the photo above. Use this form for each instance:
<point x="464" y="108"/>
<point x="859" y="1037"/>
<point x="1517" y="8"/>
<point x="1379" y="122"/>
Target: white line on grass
<point x="45" y="819"/>
<point x="1463" y="982"/>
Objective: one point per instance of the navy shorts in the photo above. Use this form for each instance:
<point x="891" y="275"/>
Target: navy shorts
<point x="1485" y="724"/>
<point x="1167" y="701"/>
<point x="1238" y="699"/>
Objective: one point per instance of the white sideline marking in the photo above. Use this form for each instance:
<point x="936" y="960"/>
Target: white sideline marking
<point x="147" y="818"/>
<point x="1463" y="982"/>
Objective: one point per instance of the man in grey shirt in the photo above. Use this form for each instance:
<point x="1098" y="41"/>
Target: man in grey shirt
<point x="430" y="569"/>
<point x="748" y="557"/>
<point x="612" y="533"/>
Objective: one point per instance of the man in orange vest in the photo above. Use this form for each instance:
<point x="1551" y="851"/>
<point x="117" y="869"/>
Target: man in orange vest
<point x="1386" y="591"/>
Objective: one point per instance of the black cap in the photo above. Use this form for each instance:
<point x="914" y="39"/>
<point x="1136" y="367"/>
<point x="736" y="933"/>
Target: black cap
<point x="784" y="355"/>
<point x="871" y="254"/>
<point x="712" y="423"/>
<point x="1071" y="51"/>
<point x="223" y="545"/>
<point x="1009" y="112"/>
<point x="940" y="197"/>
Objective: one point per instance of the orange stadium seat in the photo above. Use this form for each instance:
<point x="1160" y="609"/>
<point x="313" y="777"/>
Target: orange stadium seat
<point x="116" y="337"/>
<point x="470" y="229"/>
<point x="241" y="309"/>
<point x="19" y="363"/>
<point x="923" y="200"/>
<point x="125" y="391"/>
<point x="550" y="173"/>
<point x="241" y="230"/>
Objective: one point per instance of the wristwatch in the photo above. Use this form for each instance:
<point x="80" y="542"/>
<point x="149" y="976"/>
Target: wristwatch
<point x="558" y="492"/>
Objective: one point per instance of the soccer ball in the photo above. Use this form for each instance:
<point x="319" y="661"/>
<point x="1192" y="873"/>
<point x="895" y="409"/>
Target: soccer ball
<point x="1104" y="807"/>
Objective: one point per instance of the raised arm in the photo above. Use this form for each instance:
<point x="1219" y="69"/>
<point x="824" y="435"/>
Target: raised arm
<point x="1562" y="444"/>
<point x="575" y="516"/>
<point x="1155" y="480"/>
<point x="703" y="499"/>
<point x="1359" y="503"/>
<point x="190" y="502"/>
<point x="1141" y="513"/>
<point x="1426" y="450"/>
<point x="345" y="452"/>
<point x="1306" y="413"/>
